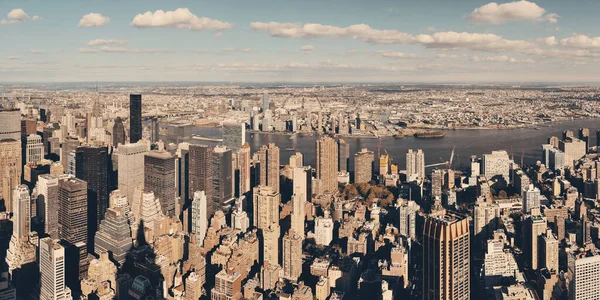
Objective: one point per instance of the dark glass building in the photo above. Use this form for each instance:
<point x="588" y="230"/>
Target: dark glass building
<point x="135" y="118"/>
<point x="160" y="178"/>
<point x="118" y="132"/>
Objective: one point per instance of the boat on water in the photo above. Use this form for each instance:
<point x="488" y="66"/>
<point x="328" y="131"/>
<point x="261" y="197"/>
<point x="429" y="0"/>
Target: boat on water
<point x="429" y="134"/>
<point x="398" y="136"/>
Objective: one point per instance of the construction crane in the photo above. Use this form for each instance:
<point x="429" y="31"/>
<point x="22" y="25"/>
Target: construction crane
<point x="448" y="163"/>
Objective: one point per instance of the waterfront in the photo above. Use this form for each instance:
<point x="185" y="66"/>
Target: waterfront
<point x="467" y="142"/>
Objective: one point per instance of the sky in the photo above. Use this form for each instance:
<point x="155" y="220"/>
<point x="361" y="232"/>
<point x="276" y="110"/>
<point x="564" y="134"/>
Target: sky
<point x="404" y="41"/>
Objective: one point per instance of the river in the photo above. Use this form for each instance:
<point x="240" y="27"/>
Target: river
<point x="467" y="143"/>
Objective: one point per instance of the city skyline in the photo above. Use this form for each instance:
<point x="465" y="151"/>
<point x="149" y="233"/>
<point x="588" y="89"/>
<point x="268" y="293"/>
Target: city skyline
<point x="283" y="41"/>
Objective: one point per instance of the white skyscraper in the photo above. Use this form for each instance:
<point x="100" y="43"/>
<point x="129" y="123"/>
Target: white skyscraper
<point x="298" y="215"/>
<point x="52" y="270"/>
<point x="531" y="199"/>
<point x="20" y="251"/>
<point x="415" y="165"/>
<point x="408" y="214"/>
<point x="584" y="273"/>
<point x="239" y="218"/>
<point x="324" y="230"/>
<point x="47" y="188"/>
<point x="199" y="217"/>
<point x="34" y="151"/>
<point x="496" y="164"/>
<point x="130" y="162"/>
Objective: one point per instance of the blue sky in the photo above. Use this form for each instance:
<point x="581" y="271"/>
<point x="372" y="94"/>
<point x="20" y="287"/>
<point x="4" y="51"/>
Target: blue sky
<point x="278" y="40"/>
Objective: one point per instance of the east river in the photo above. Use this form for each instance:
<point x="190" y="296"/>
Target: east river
<point x="467" y="143"/>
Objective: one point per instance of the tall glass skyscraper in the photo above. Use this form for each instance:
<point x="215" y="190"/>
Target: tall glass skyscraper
<point x="135" y="118"/>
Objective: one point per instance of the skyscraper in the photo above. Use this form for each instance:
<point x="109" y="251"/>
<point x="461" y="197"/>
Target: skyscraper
<point x="135" y="118"/>
<point x="72" y="212"/>
<point x="327" y="159"/>
<point x="324" y="230"/>
<point x="52" y="269"/>
<point x="47" y="188"/>
<point x="34" y="148"/>
<point x="269" y="166"/>
<point x="292" y="255"/>
<point x="92" y="167"/>
<point x="114" y="235"/>
<point x="10" y="124"/>
<point x="154" y="130"/>
<point x="10" y="169"/>
<point x="244" y="168"/>
<point x="234" y="135"/>
<point x="583" y="270"/>
<point x="363" y="166"/>
<point x="298" y="215"/>
<point x="118" y="134"/>
<point x="200" y="215"/>
<point x="415" y="165"/>
<point x="266" y="207"/>
<point x="534" y="227"/>
<point x="69" y="145"/>
<point x="265" y="101"/>
<point x="130" y="161"/>
<point x="446" y="257"/>
<point x="200" y="171"/>
<point x="20" y="251"/>
<point x="160" y="178"/>
<point x="222" y="180"/>
<point x="302" y="183"/>
<point x="228" y="285"/>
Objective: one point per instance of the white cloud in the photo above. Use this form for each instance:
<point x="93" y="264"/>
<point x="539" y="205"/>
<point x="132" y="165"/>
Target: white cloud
<point x="549" y="41"/>
<point x="38" y="51"/>
<point x="17" y="15"/>
<point x="502" y="58"/>
<point x="231" y="50"/>
<point x="391" y="54"/>
<point x="98" y="42"/>
<point x="494" y="13"/>
<point x="93" y="20"/>
<point x="179" y="18"/>
<point x="445" y="55"/>
<point x="364" y="32"/>
<point x="307" y="49"/>
<point x="130" y="50"/>
<point x="581" y="41"/>
<point x="87" y="50"/>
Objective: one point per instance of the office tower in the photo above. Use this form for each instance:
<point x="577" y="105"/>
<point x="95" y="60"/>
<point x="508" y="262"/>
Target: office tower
<point x="270" y="237"/>
<point x="384" y="164"/>
<point x="584" y="135"/>
<point x="446" y="257"/>
<point x="269" y="166"/>
<point x="200" y="215"/>
<point x="228" y="285"/>
<point x="130" y="161"/>
<point x="497" y="262"/>
<point x="72" y="211"/>
<point x="437" y="179"/>
<point x="296" y="160"/>
<point x="363" y="166"/>
<point x="344" y="155"/>
<point x="135" y="118"/>
<point x="200" y="172"/>
<point x="239" y="218"/>
<point x="10" y="121"/>
<point x="583" y="273"/>
<point x="52" y="269"/>
<point x="95" y="125"/>
<point x="222" y="180"/>
<point x="408" y="214"/>
<point x="298" y="215"/>
<point x="145" y="207"/>
<point x="244" y="168"/>
<point x="160" y="178"/>
<point x="92" y="167"/>
<point x="531" y="199"/>
<point x="496" y="164"/>
<point x="548" y="251"/>
<point x="28" y="126"/>
<point x="118" y="133"/>
<point x="302" y="183"/>
<point x="20" y="251"/>
<point x="10" y="169"/>
<point x="47" y="188"/>
<point x="324" y="230"/>
<point x="266" y="207"/>
<point x="34" y="149"/>
<point x="154" y="130"/>
<point x="415" y="165"/>
<point x="69" y="145"/>
<point x="114" y="235"/>
<point x="534" y="226"/>
<point x="574" y="149"/>
<point x="327" y="158"/>
<point x="292" y="255"/>
<point x="265" y="101"/>
<point x="234" y="135"/>
<point x="267" y="120"/>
